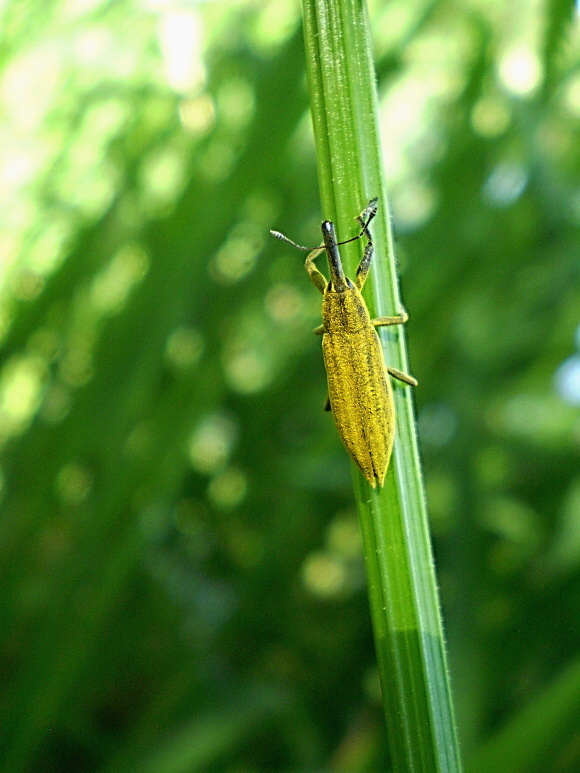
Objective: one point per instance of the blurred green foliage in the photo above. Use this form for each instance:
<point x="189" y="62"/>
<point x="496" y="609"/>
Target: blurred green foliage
<point x="181" y="586"/>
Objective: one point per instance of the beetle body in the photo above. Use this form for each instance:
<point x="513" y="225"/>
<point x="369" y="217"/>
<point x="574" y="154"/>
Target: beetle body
<point x="359" y="388"/>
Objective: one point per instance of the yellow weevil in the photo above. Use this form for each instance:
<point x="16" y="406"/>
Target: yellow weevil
<point x="359" y="389"/>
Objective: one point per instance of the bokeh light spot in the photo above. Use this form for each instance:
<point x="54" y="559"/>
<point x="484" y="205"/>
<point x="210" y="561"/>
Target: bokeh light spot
<point x="211" y="443"/>
<point x="520" y="71"/>
<point x="73" y="483"/>
<point x="323" y="575"/>
<point x="343" y="537"/>
<point x="276" y="22"/>
<point x="505" y="184"/>
<point x="217" y="161"/>
<point x="45" y="342"/>
<point x="48" y="248"/>
<point x="568" y="380"/>
<point x="21" y="382"/>
<point x="197" y="115"/>
<point x="543" y="419"/>
<point x="26" y="284"/>
<point x="413" y="204"/>
<point x="163" y="174"/>
<point x="56" y="403"/>
<point x="572" y="95"/>
<point x="518" y="529"/>
<point x="437" y="424"/>
<point x="184" y="347"/>
<point x="490" y="117"/>
<point x="284" y="302"/>
<point x="228" y="489"/>
<point x="235" y="103"/>
<point x="180" y="37"/>
<point x="238" y="255"/>
<point x="247" y="366"/>
<point x="76" y="366"/>
<point x="110" y="288"/>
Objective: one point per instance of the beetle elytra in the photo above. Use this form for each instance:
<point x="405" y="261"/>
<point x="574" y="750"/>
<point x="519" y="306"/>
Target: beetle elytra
<point x="360" y="394"/>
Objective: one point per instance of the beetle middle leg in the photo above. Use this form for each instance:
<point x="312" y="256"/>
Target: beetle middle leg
<point x="399" y="319"/>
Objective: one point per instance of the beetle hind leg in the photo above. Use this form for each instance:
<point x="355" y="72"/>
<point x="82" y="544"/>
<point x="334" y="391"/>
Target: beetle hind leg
<point x="404" y="377"/>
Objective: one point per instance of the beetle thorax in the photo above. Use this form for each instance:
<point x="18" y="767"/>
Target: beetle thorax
<point x="344" y="312"/>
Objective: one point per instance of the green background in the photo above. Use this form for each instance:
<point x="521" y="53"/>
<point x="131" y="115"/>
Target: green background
<point x="181" y="586"/>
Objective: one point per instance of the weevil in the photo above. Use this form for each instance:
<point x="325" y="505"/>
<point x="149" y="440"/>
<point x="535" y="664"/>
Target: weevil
<point x="360" y="394"/>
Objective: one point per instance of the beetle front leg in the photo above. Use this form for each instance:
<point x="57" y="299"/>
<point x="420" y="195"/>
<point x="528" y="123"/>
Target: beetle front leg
<point x="367" y="215"/>
<point x="364" y="219"/>
<point x="363" y="267"/>
<point x="315" y="275"/>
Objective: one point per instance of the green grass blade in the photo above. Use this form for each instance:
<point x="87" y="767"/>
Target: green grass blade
<point x="402" y="587"/>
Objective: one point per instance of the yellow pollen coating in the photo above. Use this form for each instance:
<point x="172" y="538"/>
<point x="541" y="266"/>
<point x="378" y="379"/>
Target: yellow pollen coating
<point x="359" y="388"/>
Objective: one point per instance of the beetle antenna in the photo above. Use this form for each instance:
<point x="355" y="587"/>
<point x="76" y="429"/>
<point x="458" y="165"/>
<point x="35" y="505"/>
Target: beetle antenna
<point x="364" y="219"/>
<point x="278" y="235"/>
<point x="354" y="238"/>
<point x="369" y="214"/>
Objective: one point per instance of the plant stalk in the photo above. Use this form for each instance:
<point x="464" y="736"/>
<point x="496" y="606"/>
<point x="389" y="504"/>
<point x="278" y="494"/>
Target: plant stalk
<point x="401" y="579"/>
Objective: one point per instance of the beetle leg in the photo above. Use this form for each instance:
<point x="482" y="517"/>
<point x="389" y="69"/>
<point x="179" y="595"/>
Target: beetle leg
<point x="364" y="219"/>
<point x="315" y="275"/>
<point x="367" y="215"/>
<point x="402" y="376"/>
<point x="399" y="319"/>
<point x="318" y="331"/>
<point x="363" y="267"/>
